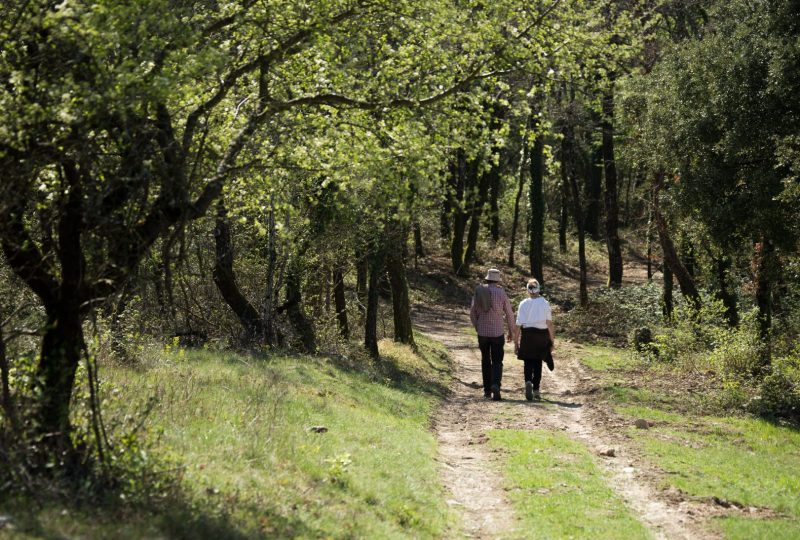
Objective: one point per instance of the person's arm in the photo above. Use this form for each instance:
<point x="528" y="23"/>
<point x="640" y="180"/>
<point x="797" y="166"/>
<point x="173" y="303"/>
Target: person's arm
<point x="473" y="314"/>
<point x="552" y="331"/>
<point x="519" y="325"/>
<point x="509" y="319"/>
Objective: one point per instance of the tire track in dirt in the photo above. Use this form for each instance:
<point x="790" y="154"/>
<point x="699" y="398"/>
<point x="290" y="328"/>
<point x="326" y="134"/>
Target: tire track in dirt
<point x="471" y="472"/>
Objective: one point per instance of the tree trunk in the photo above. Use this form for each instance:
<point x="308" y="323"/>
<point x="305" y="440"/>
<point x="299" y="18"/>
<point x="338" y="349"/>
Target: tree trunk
<point x="419" y="248"/>
<point x="630" y="186"/>
<point x="611" y="198"/>
<point x="458" y="170"/>
<point x="517" y="199"/>
<point x="8" y="405"/>
<point x="362" y="274"/>
<point x="594" y="189"/>
<point x="568" y="157"/>
<point x="268" y="313"/>
<point x="294" y="306"/>
<point x="667" y="291"/>
<point x="563" y="221"/>
<point x="376" y="267"/>
<point x="225" y="280"/>
<point x="671" y="259"/>
<point x="494" y="208"/>
<point x="536" y="196"/>
<point x="401" y="306"/>
<point x="764" y="263"/>
<point x="688" y="255"/>
<point x="63" y="342"/>
<point x="340" y="302"/>
<point x="447" y="206"/>
<point x="650" y="242"/>
<point x="478" y="198"/>
<point x="722" y="265"/>
<point x="58" y="363"/>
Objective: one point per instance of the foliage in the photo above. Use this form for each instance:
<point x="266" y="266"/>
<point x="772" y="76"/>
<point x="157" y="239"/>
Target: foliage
<point x="613" y="314"/>
<point x="779" y="391"/>
<point x="716" y="114"/>
<point x="128" y="467"/>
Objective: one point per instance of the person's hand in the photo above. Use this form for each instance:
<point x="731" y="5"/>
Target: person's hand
<point x="510" y="337"/>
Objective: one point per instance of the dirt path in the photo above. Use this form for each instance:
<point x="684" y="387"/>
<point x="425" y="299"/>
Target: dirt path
<point x="470" y="471"/>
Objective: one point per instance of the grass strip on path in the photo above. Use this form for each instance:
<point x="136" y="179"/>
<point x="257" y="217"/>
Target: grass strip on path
<point x="558" y="491"/>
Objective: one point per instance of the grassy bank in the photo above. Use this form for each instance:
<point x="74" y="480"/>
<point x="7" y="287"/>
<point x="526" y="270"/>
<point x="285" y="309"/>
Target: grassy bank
<point x="281" y="447"/>
<point x="745" y="464"/>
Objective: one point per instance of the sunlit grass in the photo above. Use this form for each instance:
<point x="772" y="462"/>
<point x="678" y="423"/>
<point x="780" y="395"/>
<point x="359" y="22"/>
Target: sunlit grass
<point x="747" y="461"/>
<point x="558" y="491"/>
<point x="601" y="358"/>
<point x="286" y="446"/>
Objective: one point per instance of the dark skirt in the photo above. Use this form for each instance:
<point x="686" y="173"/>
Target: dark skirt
<point x="534" y="344"/>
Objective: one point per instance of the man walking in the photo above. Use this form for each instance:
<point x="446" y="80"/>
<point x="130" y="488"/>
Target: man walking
<point x="489" y="306"/>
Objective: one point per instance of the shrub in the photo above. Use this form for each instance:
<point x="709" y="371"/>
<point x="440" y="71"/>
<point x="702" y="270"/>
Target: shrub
<point x="641" y="339"/>
<point x="114" y="454"/>
<point x="737" y="353"/>
<point x="779" y="391"/>
<point x="613" y="314"/>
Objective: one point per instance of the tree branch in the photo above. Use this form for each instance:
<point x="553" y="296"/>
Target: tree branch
<point x="334" y="100"/>
<point x="28" y="263"/>
<point x="298" y="38"/>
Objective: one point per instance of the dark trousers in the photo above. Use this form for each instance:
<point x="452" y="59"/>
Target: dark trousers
<point x="533" y="372"/>
<point x="491" y="361"/>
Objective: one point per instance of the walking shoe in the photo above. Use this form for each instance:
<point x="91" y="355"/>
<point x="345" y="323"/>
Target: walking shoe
<point x="529" y="391"/>
<point x="496" y="393"/>
<point x="537" y="395"/>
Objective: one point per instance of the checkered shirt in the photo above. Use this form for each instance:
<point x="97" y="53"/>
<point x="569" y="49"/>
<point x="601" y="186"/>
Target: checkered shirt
<point x="490" y="323"/>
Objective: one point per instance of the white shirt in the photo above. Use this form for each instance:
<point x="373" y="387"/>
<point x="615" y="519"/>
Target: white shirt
<point x="534" y="312"/>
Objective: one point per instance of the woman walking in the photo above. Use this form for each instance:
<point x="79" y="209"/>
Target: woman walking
<point x="535" y="338"/>
<point x="489" y="305"/>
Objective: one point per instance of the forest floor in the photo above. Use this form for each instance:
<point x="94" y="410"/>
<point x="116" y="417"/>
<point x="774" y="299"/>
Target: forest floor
<point x="588" y="460"/>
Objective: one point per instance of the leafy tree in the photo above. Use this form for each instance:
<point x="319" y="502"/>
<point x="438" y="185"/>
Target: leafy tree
<point x="125" y="121"/>
<point x="717" y="114"/>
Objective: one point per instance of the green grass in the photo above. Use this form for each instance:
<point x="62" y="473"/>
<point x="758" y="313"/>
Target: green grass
<point x="601" y="358"/>
<point x="558" y="491"/>
<point x="739" y="528"/>
<point x="747" y="461"/>
<point x="239" y="427"/>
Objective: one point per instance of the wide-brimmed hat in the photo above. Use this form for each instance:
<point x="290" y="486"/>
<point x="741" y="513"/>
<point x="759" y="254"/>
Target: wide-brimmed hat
<point x="493" y="274"/>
